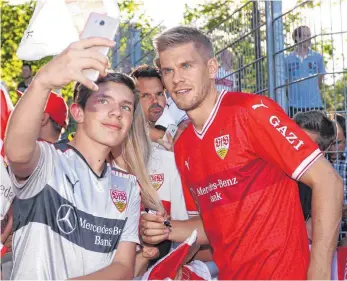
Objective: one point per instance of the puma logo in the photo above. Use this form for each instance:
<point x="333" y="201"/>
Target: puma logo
<point x="186" y="163"/>
<point x="261" y="104"/>
<point x="72" y="184"/>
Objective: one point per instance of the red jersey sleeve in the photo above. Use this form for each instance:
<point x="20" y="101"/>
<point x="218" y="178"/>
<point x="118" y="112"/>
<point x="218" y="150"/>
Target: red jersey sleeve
<point x="278" y="139"/>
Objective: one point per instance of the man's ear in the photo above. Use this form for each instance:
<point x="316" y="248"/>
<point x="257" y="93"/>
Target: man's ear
<point x="212" y="65"/>
<point x="45" y="119"/>
<point x="77" y="113"/>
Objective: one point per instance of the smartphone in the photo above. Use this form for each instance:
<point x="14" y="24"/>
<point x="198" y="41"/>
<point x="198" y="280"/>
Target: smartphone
<point x="99" y="25"/>
<point x="171" y="130"/>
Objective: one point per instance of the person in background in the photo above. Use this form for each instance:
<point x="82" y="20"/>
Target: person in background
<point x="152" y="97"/>
<point x="27" y="76"/>
<point x="226" y="79"/>
<point x="321" y="130"/>
<point x="55" y="118"/>
<point x="337" y="156"/>
<point x="304" y="63"/>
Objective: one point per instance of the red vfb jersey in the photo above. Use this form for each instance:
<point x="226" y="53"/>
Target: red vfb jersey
<point x="238" y="174"/>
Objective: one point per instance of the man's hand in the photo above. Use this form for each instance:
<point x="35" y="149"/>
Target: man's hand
<point x="150" y="252"/>
<point x="152" y="228"/>
<point x="68" y="66"/>
<point x="168" y="144"/>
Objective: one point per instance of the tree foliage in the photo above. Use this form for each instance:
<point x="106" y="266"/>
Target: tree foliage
<point x="15" y="19"/>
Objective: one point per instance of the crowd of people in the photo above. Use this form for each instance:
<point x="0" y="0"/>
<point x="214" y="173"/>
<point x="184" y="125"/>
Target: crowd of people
<point x="121" y="193"/>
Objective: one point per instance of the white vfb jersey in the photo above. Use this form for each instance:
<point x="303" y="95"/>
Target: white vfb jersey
<point x="166" y="180"/>
<point x="68" y="221"/>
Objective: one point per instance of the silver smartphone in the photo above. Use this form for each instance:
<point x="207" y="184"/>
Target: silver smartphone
<point x="99" y="25"/>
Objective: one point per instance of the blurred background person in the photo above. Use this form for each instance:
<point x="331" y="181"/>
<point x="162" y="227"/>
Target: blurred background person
<point x="226" y="80"/>
<point x="27" y="76"/>
<point x="303" y="63"/>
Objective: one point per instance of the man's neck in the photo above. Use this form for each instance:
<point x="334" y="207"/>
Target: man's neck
<point x="96" y="156"/>
<point x="301" y="51"/>
<point x="200" y="114"/>
<point x="28" y="80"/>
<point x="47" y="134"/>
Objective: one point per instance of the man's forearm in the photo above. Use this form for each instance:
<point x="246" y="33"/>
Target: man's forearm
<point x="181" y="230"/>
<point x="25" y="123"/>
<point x="115" y="271"/>
<point x="327" y="203"/>
<point x="141" y="265"/>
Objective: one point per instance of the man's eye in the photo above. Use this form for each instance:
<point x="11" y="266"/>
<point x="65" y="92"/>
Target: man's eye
<point x="126" y="107"/>
<point x="167" y="71"/>
<point x="186" y="65"/>
<point x="102" y="101"/>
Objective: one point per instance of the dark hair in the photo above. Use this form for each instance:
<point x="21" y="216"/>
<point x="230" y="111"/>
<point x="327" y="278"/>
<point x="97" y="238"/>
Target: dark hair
<point x="298" y="32"/>
<point x="317" y="121"/>
<point x="342" y="123"/>
<point x="180" y="35"/>
<point x="145" y="71"/>
<point x="82" y="93"/>
<point x="26" y="64"/>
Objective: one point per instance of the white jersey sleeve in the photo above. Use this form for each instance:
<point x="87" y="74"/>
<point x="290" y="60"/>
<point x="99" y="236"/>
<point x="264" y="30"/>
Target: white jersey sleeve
<point x="178" y="205"/>
<point x="131" y="229"/>
<point x="40" y="176"/>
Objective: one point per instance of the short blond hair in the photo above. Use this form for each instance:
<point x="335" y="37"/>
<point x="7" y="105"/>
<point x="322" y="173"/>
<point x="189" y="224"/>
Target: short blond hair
<point x="180" y="35"/>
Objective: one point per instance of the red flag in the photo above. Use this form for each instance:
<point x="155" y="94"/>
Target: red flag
<point x="167" y="267"/>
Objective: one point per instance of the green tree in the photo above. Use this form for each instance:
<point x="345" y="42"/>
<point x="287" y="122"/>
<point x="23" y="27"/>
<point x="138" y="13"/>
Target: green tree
<point x="336" y="94"/>
<point x="14" y="21"/>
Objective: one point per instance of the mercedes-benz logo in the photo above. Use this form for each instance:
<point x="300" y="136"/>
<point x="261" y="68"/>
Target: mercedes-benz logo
<point x="66" y="219"/>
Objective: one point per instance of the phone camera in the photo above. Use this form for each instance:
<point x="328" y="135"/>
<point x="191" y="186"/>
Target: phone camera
<point x="102" y="22"/>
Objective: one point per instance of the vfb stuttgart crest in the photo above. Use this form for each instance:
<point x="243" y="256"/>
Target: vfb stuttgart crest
<point x="221" y="145"/>
<point x="119" y="199"/>
<point x="157" y="180"/>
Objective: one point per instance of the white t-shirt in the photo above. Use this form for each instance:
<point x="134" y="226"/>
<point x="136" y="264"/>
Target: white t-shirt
<point x="166" y="180"/>
<point x="68" y="221"/>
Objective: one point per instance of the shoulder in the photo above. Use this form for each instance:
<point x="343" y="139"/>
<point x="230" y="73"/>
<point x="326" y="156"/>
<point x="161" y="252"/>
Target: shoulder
<point x="244" y="102"/>
<point x="157" y="152"/>
<point x="290" y="55"/>
<point x="316" y="54"/>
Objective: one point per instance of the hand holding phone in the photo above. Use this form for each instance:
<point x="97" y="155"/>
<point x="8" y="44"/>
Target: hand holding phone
<point x="99" y="25"/>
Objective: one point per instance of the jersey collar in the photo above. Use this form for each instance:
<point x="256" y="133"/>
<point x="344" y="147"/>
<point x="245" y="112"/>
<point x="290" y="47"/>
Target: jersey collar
<point x="103" y="173"/>
<point x="211" y="117"/>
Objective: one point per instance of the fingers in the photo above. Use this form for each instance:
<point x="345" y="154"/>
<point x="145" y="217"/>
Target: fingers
<point x="154" y="239"/>
<point x="153" y="218"/>
<point x="152" y="229"/>
<point x="93" y="41"/>
<point x="94" y="54"/>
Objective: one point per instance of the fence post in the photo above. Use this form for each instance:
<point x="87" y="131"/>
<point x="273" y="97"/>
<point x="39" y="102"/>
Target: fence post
<point x="270" y="51"/>
<point x="116" y="51"/>
<point x="279" y="72"/>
